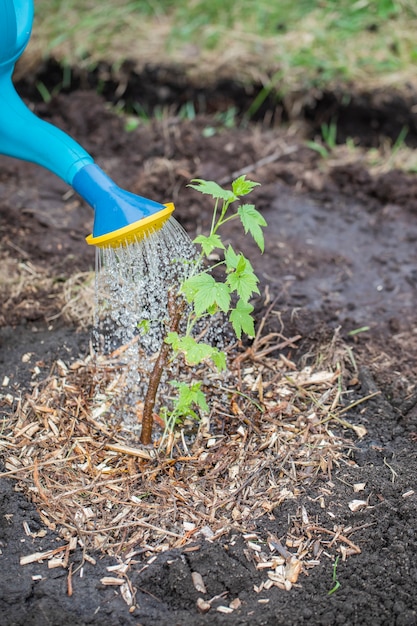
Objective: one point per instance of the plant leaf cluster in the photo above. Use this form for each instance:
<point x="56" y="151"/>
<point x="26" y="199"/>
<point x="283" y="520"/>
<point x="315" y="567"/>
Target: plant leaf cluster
<point x="206" y="293"/>
<point x="203" y="291"/>
<point x="226" y="286"/>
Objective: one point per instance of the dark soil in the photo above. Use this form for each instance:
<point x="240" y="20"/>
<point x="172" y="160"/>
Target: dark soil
<point x="340" y="254"/>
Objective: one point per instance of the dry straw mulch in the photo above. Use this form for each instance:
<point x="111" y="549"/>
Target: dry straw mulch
<point x="29" y="291"/>
<point x="272" y="430"/>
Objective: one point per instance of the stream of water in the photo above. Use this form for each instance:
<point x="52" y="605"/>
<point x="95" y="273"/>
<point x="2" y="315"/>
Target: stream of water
<point x="132" y="284"/>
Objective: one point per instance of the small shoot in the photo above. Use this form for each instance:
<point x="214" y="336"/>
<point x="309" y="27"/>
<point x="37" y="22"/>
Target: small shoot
<point x="144" y="326"/>
<point x="329" y="140"/>
<point x="188" y="399"/>
<point x="358" y="331"/>
<point x="336" y="584"/>
<point x="329" y="134"/>
<point x="400" y="141"/>
<point x="227" y="290"/>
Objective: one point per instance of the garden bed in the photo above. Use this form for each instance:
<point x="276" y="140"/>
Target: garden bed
<point x="340" y="273"/>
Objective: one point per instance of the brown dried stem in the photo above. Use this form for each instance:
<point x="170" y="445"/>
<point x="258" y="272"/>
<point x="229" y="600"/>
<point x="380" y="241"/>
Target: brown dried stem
<point x="175" y="312"/>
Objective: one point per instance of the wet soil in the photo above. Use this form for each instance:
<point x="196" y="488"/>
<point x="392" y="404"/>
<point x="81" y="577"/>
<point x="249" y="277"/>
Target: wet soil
<point x="340" y="255"/>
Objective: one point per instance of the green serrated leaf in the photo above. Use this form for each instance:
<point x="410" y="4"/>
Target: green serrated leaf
<point x="241" y="186"/>
<point x="253" y="222"/>
<point x="242" y="264"/>
<point x="211" y="310"/>
<point x="198" y="397"/>
<point x="194" y="352"/>
<point x="212" y="189"/>
<point x="244" y="283"/>
<point x="241" y="319"/>
<point x="144" y="326"/>
<point x="173" y="339"/>
<point x="242" y="279"/>
<point x="209" y="243"/>
<point x="231" y="259"/>
<point x="191" y="286"/>
<point x="204" y="292"/>
<point x="219" y="360"/>
<point x="187" y="397"/>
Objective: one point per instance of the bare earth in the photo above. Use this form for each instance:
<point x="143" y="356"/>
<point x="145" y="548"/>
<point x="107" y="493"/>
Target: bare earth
<point x="340" y="254"/>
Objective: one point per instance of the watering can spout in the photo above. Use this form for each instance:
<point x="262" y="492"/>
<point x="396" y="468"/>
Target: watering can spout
<point x="120" y="216"/>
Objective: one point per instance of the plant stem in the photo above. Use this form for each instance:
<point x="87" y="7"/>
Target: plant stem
<point x="175" y="312"/>
<point x="213" y="219"/>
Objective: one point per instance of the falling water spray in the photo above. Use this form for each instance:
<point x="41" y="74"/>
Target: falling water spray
<point x="137" y="303"/>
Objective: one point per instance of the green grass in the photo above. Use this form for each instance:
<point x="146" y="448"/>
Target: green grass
<point x="303" y="43"/>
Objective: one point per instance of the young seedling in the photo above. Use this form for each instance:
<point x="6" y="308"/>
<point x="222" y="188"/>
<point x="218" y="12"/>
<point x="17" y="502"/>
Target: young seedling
<point x="203" y="294"/>
<point x="336" y="584"/>
<point x="329" y="137"/>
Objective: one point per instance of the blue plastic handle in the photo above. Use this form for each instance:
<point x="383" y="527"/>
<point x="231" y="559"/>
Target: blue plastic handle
<point x="15" y="28"/>
<point x="22" y="134"/>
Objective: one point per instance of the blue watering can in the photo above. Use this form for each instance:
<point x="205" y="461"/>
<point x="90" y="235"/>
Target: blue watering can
<point x="119" y="216"/>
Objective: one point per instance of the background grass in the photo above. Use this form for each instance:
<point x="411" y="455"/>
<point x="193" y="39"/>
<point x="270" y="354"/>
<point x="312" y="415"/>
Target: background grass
<point x="302" y="43"/>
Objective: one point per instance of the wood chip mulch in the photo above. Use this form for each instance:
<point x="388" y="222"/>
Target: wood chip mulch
<point x="273" y="429"/>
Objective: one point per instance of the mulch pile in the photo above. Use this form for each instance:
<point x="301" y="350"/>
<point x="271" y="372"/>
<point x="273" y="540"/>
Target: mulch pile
<point x="274" y="428"/>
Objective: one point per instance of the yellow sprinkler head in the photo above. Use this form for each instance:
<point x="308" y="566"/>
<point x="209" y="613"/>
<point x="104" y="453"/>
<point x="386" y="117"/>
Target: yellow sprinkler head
<point x="120" y="217"/>
<point x="133" y="232"/>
